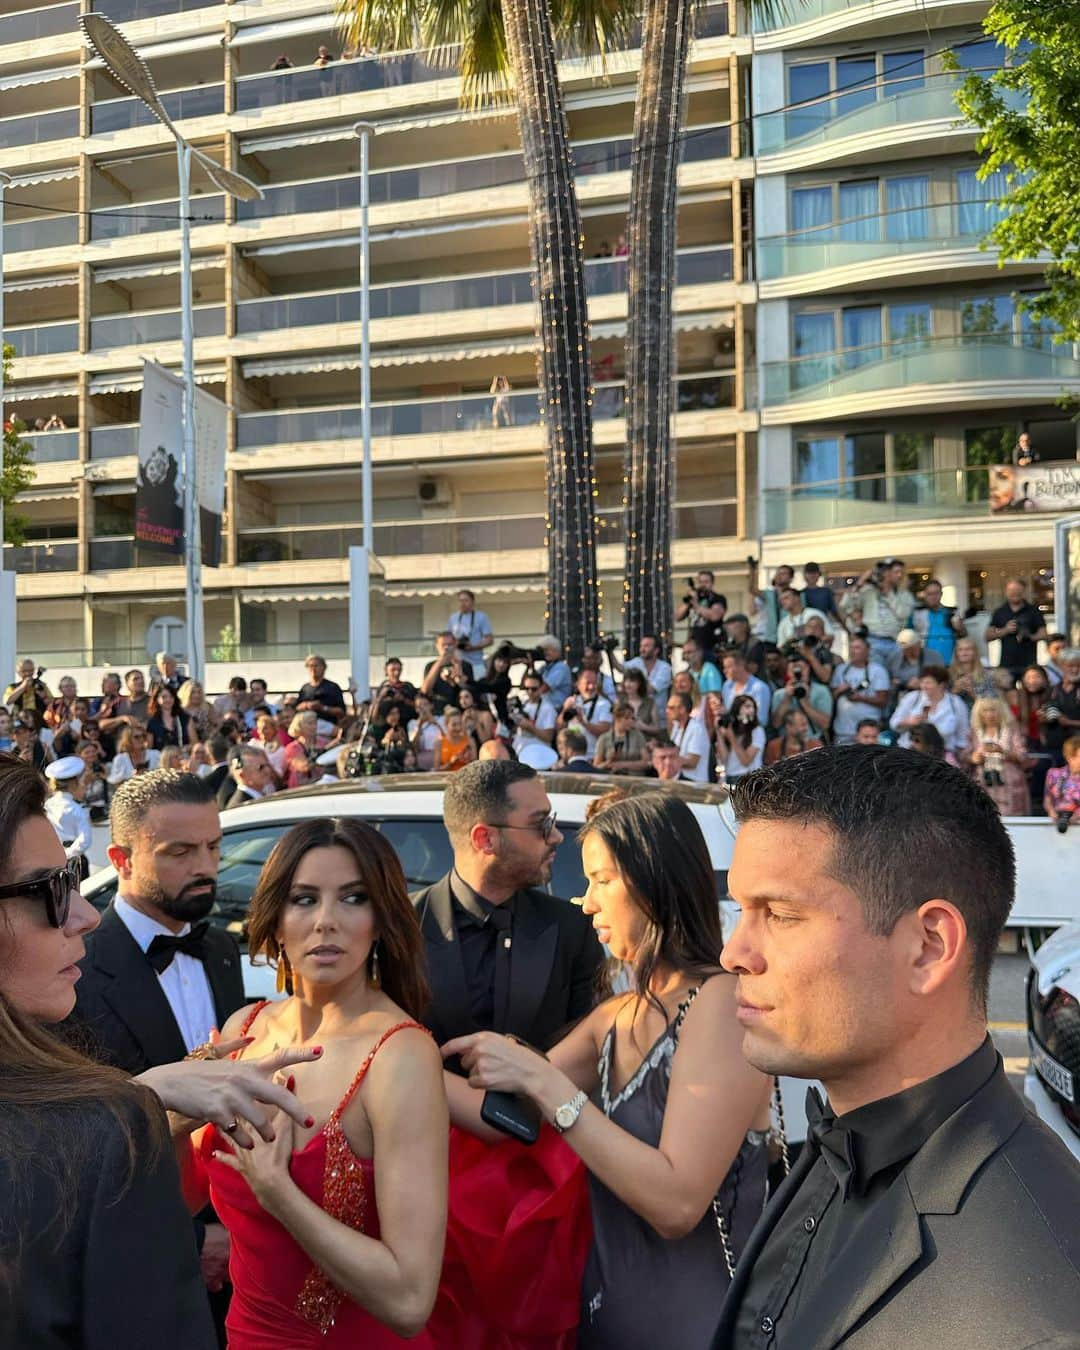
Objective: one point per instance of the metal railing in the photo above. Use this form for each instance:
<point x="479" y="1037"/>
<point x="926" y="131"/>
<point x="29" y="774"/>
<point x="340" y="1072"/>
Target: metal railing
<point x="52" y="447"/>
<point x="44" y="231"/>
<point x="126" y="330"/>
<point x="113" y="441"/>
<point x="36" y="128"/>
<point x="121" y="222"/>
<point x="54" y="556"/>
<point x="44" y="339"/>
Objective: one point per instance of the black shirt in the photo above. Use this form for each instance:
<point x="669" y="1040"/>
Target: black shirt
<point x="1017" y="654"/>
<point x="444" y="692"/>
<point x="325" y="692"/>
<point x="1066" y="698"/>
<point x="860" y="1155"/>
<point x="479" y="927"/>
<point x="705" y="633"/>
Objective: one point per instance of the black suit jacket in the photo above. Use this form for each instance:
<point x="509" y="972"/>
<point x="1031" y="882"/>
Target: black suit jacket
<point x="241" y="798"/>
<point x="120" y="1002"/>
<point x="975" y="1246"/>
<point x="554" y="960"/>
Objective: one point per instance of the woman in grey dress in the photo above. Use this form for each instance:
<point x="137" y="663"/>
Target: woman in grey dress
<point x="651" y="1089"/>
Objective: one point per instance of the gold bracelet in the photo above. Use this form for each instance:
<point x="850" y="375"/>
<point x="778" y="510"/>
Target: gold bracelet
<point x="205" y="1051"/>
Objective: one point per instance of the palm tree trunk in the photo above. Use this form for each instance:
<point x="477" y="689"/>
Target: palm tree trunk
<point x="556" y="242"/>
<point x="649" y="465"/>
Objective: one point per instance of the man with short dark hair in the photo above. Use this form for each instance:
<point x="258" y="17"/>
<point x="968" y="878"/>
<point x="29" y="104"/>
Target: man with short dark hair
<point x="472" y="631"/>
<point x="447" y="674"/>
<point x="252" y="776"/>
<point x="767" y="601"/>
<point x="503" y="955"/>
<point x="705" y="608"/>
<point x="572" y="757"/>
<point x="320" y="695"/>
<point x="705" y="674"/>
<point x="816" y="595"/>
<point x="740" y="638"/>
<point x="928" y="1207"/>
<point x="651" y="663"/>
<point x="236" y="702"/>
<point x="792" y="622"/>
<point x="396" y="691"/>
<point x="667" y="762"/>
<point x="1020" y="628"/>
<point x="689" y="736"/>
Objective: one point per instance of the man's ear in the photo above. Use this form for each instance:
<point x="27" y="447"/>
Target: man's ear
<point x="121" y="860"/>
<point x="943" y="950"/>
<point x="482" y="838"/>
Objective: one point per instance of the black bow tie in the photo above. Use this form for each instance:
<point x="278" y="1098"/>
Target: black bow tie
<point x="832" y="1141"/>
<point x="163" y="948"/>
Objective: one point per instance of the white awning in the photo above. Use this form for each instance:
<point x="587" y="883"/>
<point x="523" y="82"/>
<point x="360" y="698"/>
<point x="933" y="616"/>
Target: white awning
<point x="24" y="393"/>
<point x="63" y="492"/>
<point x="46" y="176"/>
<point x="131" y="272"/>
<point x="294" y="595"/>
<point x="401" y="356"/>
<point x="705" y="321"/>
<point x="397" y="590"/>
<point x="38" y="283"/>
<point x="38" y="77"/>
<point x="125" y="382"/>
<point x="283" y="28"/>
<point x="322" y="135"/>
<point x="202" y="42"/>
<point x="257" y="144"/>
<point x="303" y="246"/>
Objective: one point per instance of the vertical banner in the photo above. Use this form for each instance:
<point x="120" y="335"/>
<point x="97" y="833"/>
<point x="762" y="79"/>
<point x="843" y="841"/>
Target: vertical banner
<point x="1067" y="577"/>
<point x="159" y="491"/>
<point x="211" y="424"/>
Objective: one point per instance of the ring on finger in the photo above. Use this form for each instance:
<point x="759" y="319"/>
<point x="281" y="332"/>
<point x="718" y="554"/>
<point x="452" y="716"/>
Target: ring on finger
<point x="232" y="1126"/>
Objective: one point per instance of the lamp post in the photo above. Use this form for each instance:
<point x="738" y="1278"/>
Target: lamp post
<point x="126" y="65"/>
<point x="7" y="579"/>
<point x="360" y="558"/>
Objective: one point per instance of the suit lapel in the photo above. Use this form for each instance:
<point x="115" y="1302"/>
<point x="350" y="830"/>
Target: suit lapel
<point x="532" y="956"/>
<point x="222" y="974"/>
<point x="450" y="1013"/>
<point x="134" y="993"/>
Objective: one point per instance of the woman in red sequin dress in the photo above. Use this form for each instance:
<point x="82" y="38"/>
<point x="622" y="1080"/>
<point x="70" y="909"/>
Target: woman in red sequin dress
<point x="337" y="1230"/>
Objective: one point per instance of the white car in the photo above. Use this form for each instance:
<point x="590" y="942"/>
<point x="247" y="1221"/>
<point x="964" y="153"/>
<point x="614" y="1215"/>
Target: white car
<point x="1052" y="1082"/>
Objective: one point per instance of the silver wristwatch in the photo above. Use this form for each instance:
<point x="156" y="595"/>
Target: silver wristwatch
<point x="566" y="1115"/>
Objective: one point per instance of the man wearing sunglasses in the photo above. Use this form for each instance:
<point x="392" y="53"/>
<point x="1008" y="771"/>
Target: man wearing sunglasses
<point x="504" y="955"/>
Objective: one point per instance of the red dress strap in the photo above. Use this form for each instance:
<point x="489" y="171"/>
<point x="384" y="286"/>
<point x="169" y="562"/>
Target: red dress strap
<point x="335" y="1115"/>
<point x="250" y="1018"/>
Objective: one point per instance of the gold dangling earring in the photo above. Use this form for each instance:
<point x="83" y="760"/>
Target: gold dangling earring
<point x="284" y="974"/>
<point x="375" y="979"/>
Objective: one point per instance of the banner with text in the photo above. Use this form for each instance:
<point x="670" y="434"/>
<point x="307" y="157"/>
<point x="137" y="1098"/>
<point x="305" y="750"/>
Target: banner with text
<point x="211" y="426"/>
<point x="1054" y="486"/>
<point x="159" y="491"/>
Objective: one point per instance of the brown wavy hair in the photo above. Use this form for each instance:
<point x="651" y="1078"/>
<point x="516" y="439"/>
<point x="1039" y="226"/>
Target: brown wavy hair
<point x="402" y="964"/>
<point x="52" y="1097"/>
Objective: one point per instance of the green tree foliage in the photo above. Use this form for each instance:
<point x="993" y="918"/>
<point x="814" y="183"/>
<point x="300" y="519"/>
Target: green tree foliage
<point x="18" y="472"/>
<point x="1029" y="116"/>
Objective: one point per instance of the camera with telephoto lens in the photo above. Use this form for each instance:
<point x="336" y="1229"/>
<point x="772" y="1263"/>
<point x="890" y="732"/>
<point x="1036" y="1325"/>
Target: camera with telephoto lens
<point x="515" y="708"/>
<point x="799" y="690"/>
<point x="603" y="642"/>
<point x="367" y="758"/>
<point x="461" y="643"/>
<point x="724" y="720"/>
<point x="810" y="640"/>
<point x="41" y="671"/>
<point x="510" y="653"/>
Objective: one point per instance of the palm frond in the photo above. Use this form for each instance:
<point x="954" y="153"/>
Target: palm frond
<point x="381" y="25"/>
<point x="594" y="27"/>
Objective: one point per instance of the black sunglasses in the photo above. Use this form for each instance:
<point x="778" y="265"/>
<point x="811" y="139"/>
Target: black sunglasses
<point x="55" y="888"/>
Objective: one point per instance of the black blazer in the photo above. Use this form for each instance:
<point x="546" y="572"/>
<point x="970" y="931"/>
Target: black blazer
<point x="125" y="1275"/>
<point x="976" y="1244"/>
<point x="120" y="1002"/>
<point x="554" y="961"/>
<point x="240" y="798"/>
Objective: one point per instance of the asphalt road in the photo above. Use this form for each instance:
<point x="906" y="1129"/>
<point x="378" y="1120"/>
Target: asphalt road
<point x="1007" y="1024"/>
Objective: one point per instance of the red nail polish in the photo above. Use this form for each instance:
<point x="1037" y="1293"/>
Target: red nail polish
<point x="316" y="1049"/>
<point x="309" y="1122"/>
<point x="291" y="1084"/>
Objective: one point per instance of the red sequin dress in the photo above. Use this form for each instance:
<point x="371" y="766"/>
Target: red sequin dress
<point x="281" y="1301"/>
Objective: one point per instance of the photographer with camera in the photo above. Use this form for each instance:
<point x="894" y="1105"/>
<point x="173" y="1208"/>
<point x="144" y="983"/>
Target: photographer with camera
<point x="588" y="710"/>
<point x="425" y="733"/>
<point x="592" y="658"/>
<point x="768" y="601"/>
<point x="395" y="690"/>
<point x="932" y="703"/>
<point x="909" y="661"/>
<point x="705" y="675"/>
<point x="448" y="673"/>
<point x="531" y="715"/>
<point x="795" y="617"/>
<point x="1061" y="800"/>
<point x="29" y="693"/>
<point x="937" y="624"/>
<point x="555" y="672"/>
<point x="705" y="610"/>
<point x="1061" y="716"/>
<point x="689" y="735"/>
<point x="738" y="637"/>
<point x="1020" y="628"/>
<point x="861" y="689"/>
<point x="471" y="629"/>
<point x="881" y="596"/>
<point x="740" y="741"/>
<point x="738" y="680"/>
<point x="998" y="756"/>
<point x="802" y="693"/>
<point x="623" y="749"/>
<point x="650" y="662"/>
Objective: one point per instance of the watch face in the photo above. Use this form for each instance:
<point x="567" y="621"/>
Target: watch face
<point x="564" y="1116"/>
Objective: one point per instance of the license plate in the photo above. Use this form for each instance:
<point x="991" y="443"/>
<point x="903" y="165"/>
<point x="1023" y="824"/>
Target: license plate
<point x="1050" y="1071"/>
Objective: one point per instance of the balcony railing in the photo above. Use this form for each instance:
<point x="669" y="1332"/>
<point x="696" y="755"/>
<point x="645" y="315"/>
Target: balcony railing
<point x="108" y="554"/>
<point x="126" y="330"/>
<point x="51" y="447"/>
<point x="893" y="102"/>
<point x="467" y="175"/>
<point x="30" y="24"/>
<point x="604" y="276"/>
<point x="113" y="441"/>
<point x="54" y="556"/>
<point x="867" y="239"/>
<point x="44" y="339"/>
<point x="119" y="114"/>
<point x="122" y="222"/>
<point x="127" y="11"/>
<point x="994" y="358"/>
<point x="43" y="232"/>
<point x="442" y="416"/>
<point x="388" y="72"/>
<point x="787" y="13"/>
<point x="36" y="128"/>
<point x="875" y="499"/>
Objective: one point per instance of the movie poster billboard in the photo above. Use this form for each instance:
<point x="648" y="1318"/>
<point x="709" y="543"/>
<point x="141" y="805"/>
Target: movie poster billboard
<point x="1067" y="577"/>
<point x="159" y="481"/>
<point x="211" y="424"/>
<point x="1054" y="486"/>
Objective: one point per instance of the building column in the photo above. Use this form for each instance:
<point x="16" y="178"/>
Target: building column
<point x="952" y="573"/>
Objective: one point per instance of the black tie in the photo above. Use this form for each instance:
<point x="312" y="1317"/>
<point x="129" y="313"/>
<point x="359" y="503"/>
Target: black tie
<point x="500" y="918"/>
<point x="162" y="950"/>
<point x="831" y="1140"/>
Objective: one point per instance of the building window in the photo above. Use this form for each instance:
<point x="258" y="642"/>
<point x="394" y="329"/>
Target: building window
<point x="868" y="466"/>
<point x="985" y="445"/>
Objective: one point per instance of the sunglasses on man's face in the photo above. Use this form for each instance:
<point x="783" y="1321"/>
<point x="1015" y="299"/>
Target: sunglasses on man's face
<point x="54" y="889"/>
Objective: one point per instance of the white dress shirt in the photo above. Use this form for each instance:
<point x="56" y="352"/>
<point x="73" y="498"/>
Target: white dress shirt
<point x="693" y="739"/>
<point x="71" y="821"/>
<point x="184" y="982"/>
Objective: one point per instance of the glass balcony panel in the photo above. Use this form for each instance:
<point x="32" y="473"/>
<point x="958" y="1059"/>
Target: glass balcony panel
<point x="107" y="554"/>
<point x="46" y="557"/>
<point x="879" y="500"/>
<point x="62" y="125"/>
<point x="112" y="442"/>
<point x="126" y="11"/>
<point x="709" y="520"/>
<point x="122" y="222"/>
<point x="785" y="13"/>
<point x="120" y="114"/>
<point x="44" y="339"/>
<point x="39" y="23"/>
<point x="45" y="232"/>
<point x="125" y="330"/>
<point x="51" y="447"/>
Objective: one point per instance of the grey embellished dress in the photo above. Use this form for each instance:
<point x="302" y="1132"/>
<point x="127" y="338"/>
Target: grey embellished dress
<point x="642" y="1291"/>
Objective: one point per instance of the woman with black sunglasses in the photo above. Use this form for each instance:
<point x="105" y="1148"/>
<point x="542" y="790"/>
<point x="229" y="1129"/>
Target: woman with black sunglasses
<point x="96" y="1247"/>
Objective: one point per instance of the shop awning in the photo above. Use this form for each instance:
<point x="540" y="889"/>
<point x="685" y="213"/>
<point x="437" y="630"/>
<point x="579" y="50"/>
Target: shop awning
<point x="294" y="595"/>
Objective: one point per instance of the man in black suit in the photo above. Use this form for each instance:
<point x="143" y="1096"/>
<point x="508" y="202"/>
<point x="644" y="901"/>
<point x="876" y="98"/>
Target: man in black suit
<point x="502" y="954"/>
<point x="156" y="978"/>
<point x="251" y="775"/>
<point x="928" y="1207"/>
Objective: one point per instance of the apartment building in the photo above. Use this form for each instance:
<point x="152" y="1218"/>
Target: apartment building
<point x="91" y="288"/>
<point x="895" y="364"/>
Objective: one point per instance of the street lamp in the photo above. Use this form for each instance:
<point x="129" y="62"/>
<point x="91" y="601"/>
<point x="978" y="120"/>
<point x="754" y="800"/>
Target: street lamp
<point x="126" y="65"/>
<point x="360" y="558"/>
<point x="7" y="579"/>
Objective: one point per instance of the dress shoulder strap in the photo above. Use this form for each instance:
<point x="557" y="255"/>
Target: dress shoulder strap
<point x="250" y="1018"/>
<point x="682" y="1010"/>
<point x="361" y="1073"/>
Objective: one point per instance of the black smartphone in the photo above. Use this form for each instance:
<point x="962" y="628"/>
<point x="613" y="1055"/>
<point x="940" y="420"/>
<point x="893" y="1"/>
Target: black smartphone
<point x="516" y="1116"/>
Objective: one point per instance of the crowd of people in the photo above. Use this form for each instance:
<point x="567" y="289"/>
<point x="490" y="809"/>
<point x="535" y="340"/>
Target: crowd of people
<point x="458" y="1126"/>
